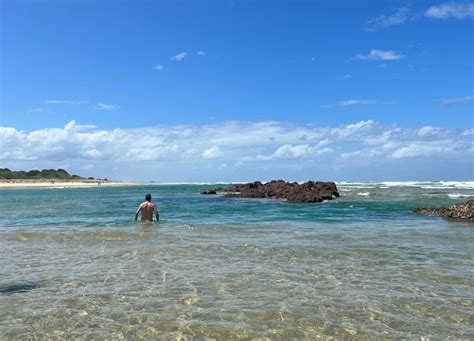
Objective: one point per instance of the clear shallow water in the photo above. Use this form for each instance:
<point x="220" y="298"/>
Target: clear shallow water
<point x="361" y="266"/>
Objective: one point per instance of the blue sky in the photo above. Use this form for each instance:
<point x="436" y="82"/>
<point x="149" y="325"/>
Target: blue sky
<point x="199" y="65"/>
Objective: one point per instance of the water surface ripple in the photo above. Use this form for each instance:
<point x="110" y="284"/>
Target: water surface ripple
<point x="361" y="266"/>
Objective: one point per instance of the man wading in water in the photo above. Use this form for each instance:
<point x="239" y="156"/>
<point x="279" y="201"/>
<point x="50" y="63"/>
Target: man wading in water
<point x="148" y="209"/>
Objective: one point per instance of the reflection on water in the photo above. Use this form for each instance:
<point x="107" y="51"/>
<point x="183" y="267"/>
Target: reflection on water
<point x="384" y="274"/>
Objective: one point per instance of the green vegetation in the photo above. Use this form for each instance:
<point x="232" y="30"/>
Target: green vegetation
<point x="45" y="174"/>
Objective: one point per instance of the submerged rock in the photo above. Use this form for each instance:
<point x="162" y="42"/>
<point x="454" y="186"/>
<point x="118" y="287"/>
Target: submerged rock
<point x="308" y="192"/>
<point x="17" y="287"/>
<point x="459" y="211"/>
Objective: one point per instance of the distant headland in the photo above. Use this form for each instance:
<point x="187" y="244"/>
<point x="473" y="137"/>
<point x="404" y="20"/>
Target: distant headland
<point x="45" y="174"/>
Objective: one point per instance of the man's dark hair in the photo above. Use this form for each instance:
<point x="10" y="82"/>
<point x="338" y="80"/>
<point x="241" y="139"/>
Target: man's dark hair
<point x="148" y="197"/>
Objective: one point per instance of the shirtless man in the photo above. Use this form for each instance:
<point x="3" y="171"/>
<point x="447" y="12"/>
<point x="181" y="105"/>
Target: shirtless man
<point x="148" y="209"/>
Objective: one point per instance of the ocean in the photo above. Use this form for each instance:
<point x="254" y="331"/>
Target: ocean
<point x="74" y="265"/>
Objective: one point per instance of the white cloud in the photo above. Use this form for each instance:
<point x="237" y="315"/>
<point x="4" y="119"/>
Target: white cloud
<point x="158" y="67"/>
<point x="351" y="154"/>
<point x="451" y="10"/>
<point x="92" y="153"/>
<point x="201" y="53"/>
<point x="179" y="57"/>
<point x="349" y="102"/>
<point x="107" y="107"/>
<point x="212" y="153"/>
<point x="453" y="101"/>
<point x="59" y="101"/>
<point x="247" y="145"/>
<point x="380" y="55"/>
<point x="289" y="151"/>
<point x="36" y="110"/>
<point x="356" y="101"/>
<point x="398" y="18"/>
<point x="427" y="131"/>
<point x="421" y="150"/>
<point x="356" y="131"/>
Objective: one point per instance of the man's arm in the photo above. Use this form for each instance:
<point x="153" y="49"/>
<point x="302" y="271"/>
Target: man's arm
<point x="156" y="213"/>
<point x="137" y="212"/>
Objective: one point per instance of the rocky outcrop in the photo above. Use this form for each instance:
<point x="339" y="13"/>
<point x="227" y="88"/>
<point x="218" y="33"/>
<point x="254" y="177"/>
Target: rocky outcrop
<point x="208" y="191"/>
<point x="459" y="211"/>
<point x="308" y="192"/>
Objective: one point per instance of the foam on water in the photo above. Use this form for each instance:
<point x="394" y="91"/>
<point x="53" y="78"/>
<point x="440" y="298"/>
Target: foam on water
<point x="416" y="184"/>
<point x="459" y="195"/>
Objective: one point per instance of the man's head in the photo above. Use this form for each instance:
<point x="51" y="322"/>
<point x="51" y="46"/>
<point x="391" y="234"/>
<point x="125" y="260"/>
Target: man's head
<point x="148" y="197"/>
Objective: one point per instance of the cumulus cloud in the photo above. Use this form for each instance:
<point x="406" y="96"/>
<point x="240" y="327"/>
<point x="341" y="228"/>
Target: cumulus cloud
<point x="179" y="57"/>
<point x="188" y="151"/>
<point x="201" y="53"/>
<point x="398" y="18"/>
<point x="453" y="101"/>
<point x="158" y="67"/>
<point x="264" y="141"/>
<point x="212" y="153"/>
<point x="451" y="10"/>
<point x="106" y="107"/>
<point x="421" y="150"/>
<point x="289" y="151"/>
<point x="380" y="55"/>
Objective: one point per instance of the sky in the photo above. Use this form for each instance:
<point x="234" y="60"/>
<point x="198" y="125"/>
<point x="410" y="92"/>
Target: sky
<point x="198" y="91"/>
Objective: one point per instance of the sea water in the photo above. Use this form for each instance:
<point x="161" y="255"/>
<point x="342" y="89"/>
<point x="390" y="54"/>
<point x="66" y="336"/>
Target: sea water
<point x="74" y="265"/>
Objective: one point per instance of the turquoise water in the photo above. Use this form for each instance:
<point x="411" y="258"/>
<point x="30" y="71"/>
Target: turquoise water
<point x="359" y="266"/>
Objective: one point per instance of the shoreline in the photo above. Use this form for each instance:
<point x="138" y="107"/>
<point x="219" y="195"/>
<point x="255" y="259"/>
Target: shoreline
<point x="62" y="184"/>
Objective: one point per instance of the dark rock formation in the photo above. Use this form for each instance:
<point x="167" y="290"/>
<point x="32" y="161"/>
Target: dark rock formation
<point x="208" y="191"/>
<point x="459" y="211"/>
<point x="307" y="192"/>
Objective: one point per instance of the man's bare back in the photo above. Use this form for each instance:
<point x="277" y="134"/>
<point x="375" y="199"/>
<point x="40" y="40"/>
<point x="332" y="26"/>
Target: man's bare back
<point x="147" y="210"/>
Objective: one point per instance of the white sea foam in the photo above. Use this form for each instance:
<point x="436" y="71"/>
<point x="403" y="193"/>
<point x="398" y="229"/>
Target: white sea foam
<point x="459" y="195"/>
<point x="458" y="184"/>
<point x="403" y="183"/>
<point x="364" y="194"/>
<point x="419" y="184"/>
<point x="358" y="186"/>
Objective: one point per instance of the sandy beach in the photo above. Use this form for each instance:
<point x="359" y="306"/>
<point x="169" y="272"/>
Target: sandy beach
<point x="4" y="184"/>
